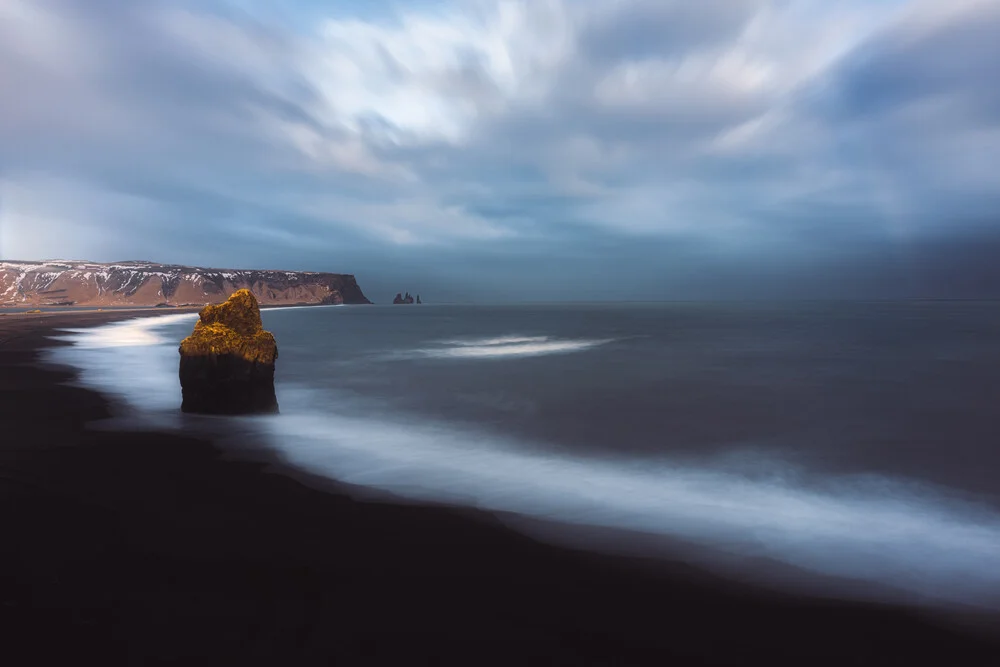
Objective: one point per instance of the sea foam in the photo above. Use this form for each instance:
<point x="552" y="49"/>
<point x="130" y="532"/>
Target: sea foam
<point x="888" y="532"/>
<point x="141" y="332"/>
<point x="507" y="346"/>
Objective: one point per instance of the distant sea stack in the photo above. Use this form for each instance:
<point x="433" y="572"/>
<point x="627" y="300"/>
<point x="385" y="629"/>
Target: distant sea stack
<point x="227" y="363"/>
<point x="400" y="299"/>
<point x="79" y="283"/>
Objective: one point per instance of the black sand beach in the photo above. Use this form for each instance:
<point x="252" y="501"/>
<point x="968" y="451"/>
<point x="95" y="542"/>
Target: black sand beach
<point x="148" y="548"/>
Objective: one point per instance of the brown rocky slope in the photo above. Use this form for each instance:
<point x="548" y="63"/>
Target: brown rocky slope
<point x="81" y="283"/>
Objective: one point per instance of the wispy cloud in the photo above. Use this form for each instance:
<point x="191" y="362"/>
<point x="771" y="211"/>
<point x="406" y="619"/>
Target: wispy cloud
<point x="465" y="124"/>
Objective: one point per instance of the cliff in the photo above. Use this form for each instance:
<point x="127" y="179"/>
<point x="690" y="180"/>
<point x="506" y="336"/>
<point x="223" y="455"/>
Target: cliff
<point x="79" y="283"/>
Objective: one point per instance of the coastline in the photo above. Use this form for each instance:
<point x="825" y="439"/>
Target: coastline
<point x="147" y="547"/>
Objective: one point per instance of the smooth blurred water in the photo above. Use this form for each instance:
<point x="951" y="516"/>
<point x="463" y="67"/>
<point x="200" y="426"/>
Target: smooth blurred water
<point x="857" y="440"/>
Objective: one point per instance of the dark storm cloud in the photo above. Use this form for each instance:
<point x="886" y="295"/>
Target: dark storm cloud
<point x="664" y="27"/>
<point x="691" y="148"/>
<point x="955" y="60"/>
<point x="915" y="109"/>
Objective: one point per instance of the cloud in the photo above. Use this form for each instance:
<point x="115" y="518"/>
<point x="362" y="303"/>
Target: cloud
<point x="662" y="27"/>
<point x="914" y="111"/>
<point x="477" y="127"/>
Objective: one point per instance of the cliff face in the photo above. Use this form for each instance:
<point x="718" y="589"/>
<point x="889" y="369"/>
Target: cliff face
<point x="55" y="283"/>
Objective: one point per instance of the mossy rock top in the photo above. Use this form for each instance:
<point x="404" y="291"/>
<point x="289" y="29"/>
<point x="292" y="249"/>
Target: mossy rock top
<point x="232" y="327"/>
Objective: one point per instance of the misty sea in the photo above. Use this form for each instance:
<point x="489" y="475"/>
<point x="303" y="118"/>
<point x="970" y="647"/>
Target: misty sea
<point x="856" y="445"/>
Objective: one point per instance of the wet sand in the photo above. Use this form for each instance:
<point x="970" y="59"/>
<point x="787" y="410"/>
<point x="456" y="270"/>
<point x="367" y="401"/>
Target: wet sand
<point x="148" y="548"/>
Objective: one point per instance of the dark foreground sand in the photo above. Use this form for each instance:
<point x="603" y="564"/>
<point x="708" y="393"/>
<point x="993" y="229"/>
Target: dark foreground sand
<point x="146" y="548"/>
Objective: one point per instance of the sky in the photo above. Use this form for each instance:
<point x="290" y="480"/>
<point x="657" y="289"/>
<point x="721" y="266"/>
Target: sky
<point x="514" y="149"/>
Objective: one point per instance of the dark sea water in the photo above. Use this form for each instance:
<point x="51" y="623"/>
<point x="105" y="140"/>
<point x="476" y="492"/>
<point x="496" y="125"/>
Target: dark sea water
<point x="859" y="441"/>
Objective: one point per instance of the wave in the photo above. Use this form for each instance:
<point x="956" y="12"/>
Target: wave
<point x="882" y="531"/>
<point x="142" y="332"/>
<point x="508" y="346"/>
<point x="132" y="360"/>
<point x="876" y="530"/>
<point x="501" y="340"/>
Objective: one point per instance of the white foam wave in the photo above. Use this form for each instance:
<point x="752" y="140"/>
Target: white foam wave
<point x="501" y="340"/>
<point x="508" y="346"/>
<point x="133" y="361"/>
<point x="142" y="332"/>
<point x="878" y="530"/>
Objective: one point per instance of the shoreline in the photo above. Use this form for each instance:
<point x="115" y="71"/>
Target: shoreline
<point x="147" y="547"/>
<point x="58" y="311"/>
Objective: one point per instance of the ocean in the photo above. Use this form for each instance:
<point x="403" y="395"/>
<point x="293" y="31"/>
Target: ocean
<point x="851" y="448"/>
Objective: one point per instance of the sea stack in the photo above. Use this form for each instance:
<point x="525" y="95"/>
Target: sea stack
<point x="227" y="363"/>
<point x="400" y="299"/>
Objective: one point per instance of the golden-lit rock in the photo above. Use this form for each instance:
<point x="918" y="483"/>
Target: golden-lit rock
<point x="232" y="327"/>
<point x="227" y="363"/>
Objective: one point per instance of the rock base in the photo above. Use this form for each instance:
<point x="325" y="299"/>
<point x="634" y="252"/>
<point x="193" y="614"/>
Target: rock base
<point x="226" y="384"/>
